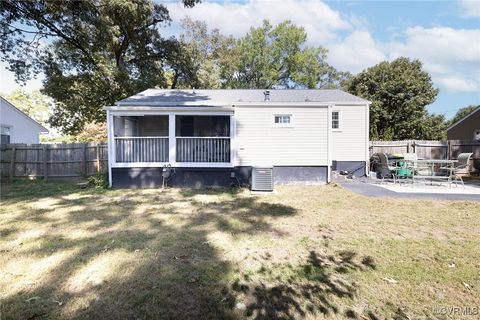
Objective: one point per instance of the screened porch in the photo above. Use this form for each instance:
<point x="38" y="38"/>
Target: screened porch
<point x="193" y="139"/>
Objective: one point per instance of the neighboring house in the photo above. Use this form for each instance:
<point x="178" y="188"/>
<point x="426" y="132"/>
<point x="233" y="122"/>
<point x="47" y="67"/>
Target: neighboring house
<point x="467" y="128"/>
<point x="215" y="137"/>
<point x="16" y="126"/>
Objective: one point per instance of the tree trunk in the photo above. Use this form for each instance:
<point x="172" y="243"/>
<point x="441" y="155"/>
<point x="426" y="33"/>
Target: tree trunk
<point x="175" y="79"/>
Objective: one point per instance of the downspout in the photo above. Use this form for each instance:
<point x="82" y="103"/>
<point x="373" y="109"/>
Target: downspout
<point x="367" y="139"/>
<point x="329" y="144"/>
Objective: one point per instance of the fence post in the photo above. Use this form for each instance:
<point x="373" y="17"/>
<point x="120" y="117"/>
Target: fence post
<point x="12" y="163"/>
<point x="449" y="150"/>
<point x="84" y="158"/>
<point x="45" y="166"/>
<point x="97" y="151"/>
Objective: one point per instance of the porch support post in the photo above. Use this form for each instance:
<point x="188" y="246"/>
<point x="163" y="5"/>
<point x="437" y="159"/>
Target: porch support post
<point x="233" y="141"/>
<point x="172" y="141"/>
<point x="110" y="146"/>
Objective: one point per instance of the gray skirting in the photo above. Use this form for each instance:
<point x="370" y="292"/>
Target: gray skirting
<point x="213" y="177"/>
<point x="357" y="167"/>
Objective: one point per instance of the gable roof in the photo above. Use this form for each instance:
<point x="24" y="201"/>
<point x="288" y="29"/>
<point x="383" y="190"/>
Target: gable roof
<point x="464" y="118"/>
<point x="160" y="97"/>
<point x="35" y="123"/>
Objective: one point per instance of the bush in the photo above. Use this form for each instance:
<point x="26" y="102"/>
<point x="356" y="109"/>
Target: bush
<point x="98" y="180"/>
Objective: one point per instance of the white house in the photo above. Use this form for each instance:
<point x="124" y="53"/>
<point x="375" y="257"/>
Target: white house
<point x="16" y="126"/>
<point x="216" y="137"/>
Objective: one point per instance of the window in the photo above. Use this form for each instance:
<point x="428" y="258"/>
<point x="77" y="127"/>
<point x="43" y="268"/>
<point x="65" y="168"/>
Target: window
<point x="335" y="120"/>
<point x="5" y="134"/>
<point x="283" y="119"/>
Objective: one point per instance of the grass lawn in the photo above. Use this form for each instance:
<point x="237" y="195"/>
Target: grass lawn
<point x="303" y="252"/>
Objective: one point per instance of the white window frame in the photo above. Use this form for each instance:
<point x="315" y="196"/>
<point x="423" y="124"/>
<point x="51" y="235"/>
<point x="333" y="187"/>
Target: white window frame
<point x="10" y="129"/>
<point x="476" y="133"/>
<point x="283" y="124"/>
<point x="339" y="121"/>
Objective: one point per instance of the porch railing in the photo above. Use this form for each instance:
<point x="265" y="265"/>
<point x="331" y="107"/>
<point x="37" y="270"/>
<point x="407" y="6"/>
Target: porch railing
<point x="203" y="149"/>
<point x="141" y="149"/>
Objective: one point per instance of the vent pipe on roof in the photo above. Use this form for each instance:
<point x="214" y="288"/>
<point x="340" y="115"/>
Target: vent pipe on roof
<point x="193" y="90"/>
<point x="267" y="95"/>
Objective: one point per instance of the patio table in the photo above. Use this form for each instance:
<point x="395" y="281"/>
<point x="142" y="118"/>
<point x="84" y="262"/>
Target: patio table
<point x="428" y="170"/>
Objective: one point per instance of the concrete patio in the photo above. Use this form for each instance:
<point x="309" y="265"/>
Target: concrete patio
<point x="373" y="188"/>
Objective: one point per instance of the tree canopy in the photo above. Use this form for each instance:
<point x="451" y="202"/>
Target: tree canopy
<point x="35" y="104"/>
<point x="277" y="57"/>
<point x="399" y="91"/>
<point x="92" y="52"/>
<point x="462" y="113"/>
<point x="266" y="57"/>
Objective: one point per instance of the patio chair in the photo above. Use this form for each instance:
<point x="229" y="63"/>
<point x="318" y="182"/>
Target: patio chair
<point x="411" y="159"/>
<point x="461" y="167"/>
<point x="386" y="170"/>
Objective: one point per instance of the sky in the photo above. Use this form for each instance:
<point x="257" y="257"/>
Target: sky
<point x="444" y="35"/>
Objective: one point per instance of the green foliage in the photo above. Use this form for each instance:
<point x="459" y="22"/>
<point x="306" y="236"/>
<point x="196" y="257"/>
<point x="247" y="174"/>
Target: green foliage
<point x="434" y="127"/>
<point x="35" y="104"/>
<point x="98" y="180"/>
<point x="462" y="113"/>
<point x="272" y="57"/>
<point x="92" y="52"/>
<point x="399" y="91"/>
<point x="59" y="139"/>
<point x="202" y="53"/>
<point x="93" y="132"/>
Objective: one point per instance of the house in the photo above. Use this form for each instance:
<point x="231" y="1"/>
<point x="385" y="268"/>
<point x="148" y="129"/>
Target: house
<point x="467" y="128"/>
<point x="216" y="137"/>
<point x="16" y="126"/>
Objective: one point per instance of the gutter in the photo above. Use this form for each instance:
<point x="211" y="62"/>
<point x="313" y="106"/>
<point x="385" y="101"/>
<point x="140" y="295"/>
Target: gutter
<point x="225" y="106"/>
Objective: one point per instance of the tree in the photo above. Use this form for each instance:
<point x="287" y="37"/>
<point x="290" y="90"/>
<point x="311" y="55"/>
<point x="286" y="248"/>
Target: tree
<point x="399" y="91"/>
<point x="93" y="132"/>
<point x="92" y="52"/>
<point x="276" y="57"/>
<point x="462" y="113"/>
<point x="434" y="127"/>
<point x="35" y="104"/>
<point x="202" y="52"/>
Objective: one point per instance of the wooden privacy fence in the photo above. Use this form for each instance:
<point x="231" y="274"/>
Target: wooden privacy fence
<point x="427" y="149"/>
<point x="52" y="160"/>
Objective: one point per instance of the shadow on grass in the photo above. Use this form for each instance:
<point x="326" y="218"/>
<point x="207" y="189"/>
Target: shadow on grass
<point x="173" y="270"/>
<point x="294" y="291"/>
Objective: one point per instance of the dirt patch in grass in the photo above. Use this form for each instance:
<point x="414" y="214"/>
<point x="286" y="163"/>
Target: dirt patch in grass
<point x="303" y="252"/>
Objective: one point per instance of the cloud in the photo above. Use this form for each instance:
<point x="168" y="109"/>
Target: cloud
<point x="441" y="44"/>
<point x="452" y="56"/>
<point x="355" y="52"/>
<point x="457" y="84"/>
<point x="319" y="20"/>
<point x="470" y="8"/>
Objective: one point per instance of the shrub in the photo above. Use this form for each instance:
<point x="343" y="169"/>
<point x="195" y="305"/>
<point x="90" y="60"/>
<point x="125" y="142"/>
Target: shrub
<point x="98" y="180"/>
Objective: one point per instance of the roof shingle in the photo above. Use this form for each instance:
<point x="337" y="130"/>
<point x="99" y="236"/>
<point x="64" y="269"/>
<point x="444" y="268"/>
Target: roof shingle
<point x="152" y="97"/>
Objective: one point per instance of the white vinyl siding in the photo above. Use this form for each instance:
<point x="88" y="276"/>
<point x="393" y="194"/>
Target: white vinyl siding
<point x="22" y="129"/>
<point x="349" y="141"/>
<point x="259" y="141"/>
